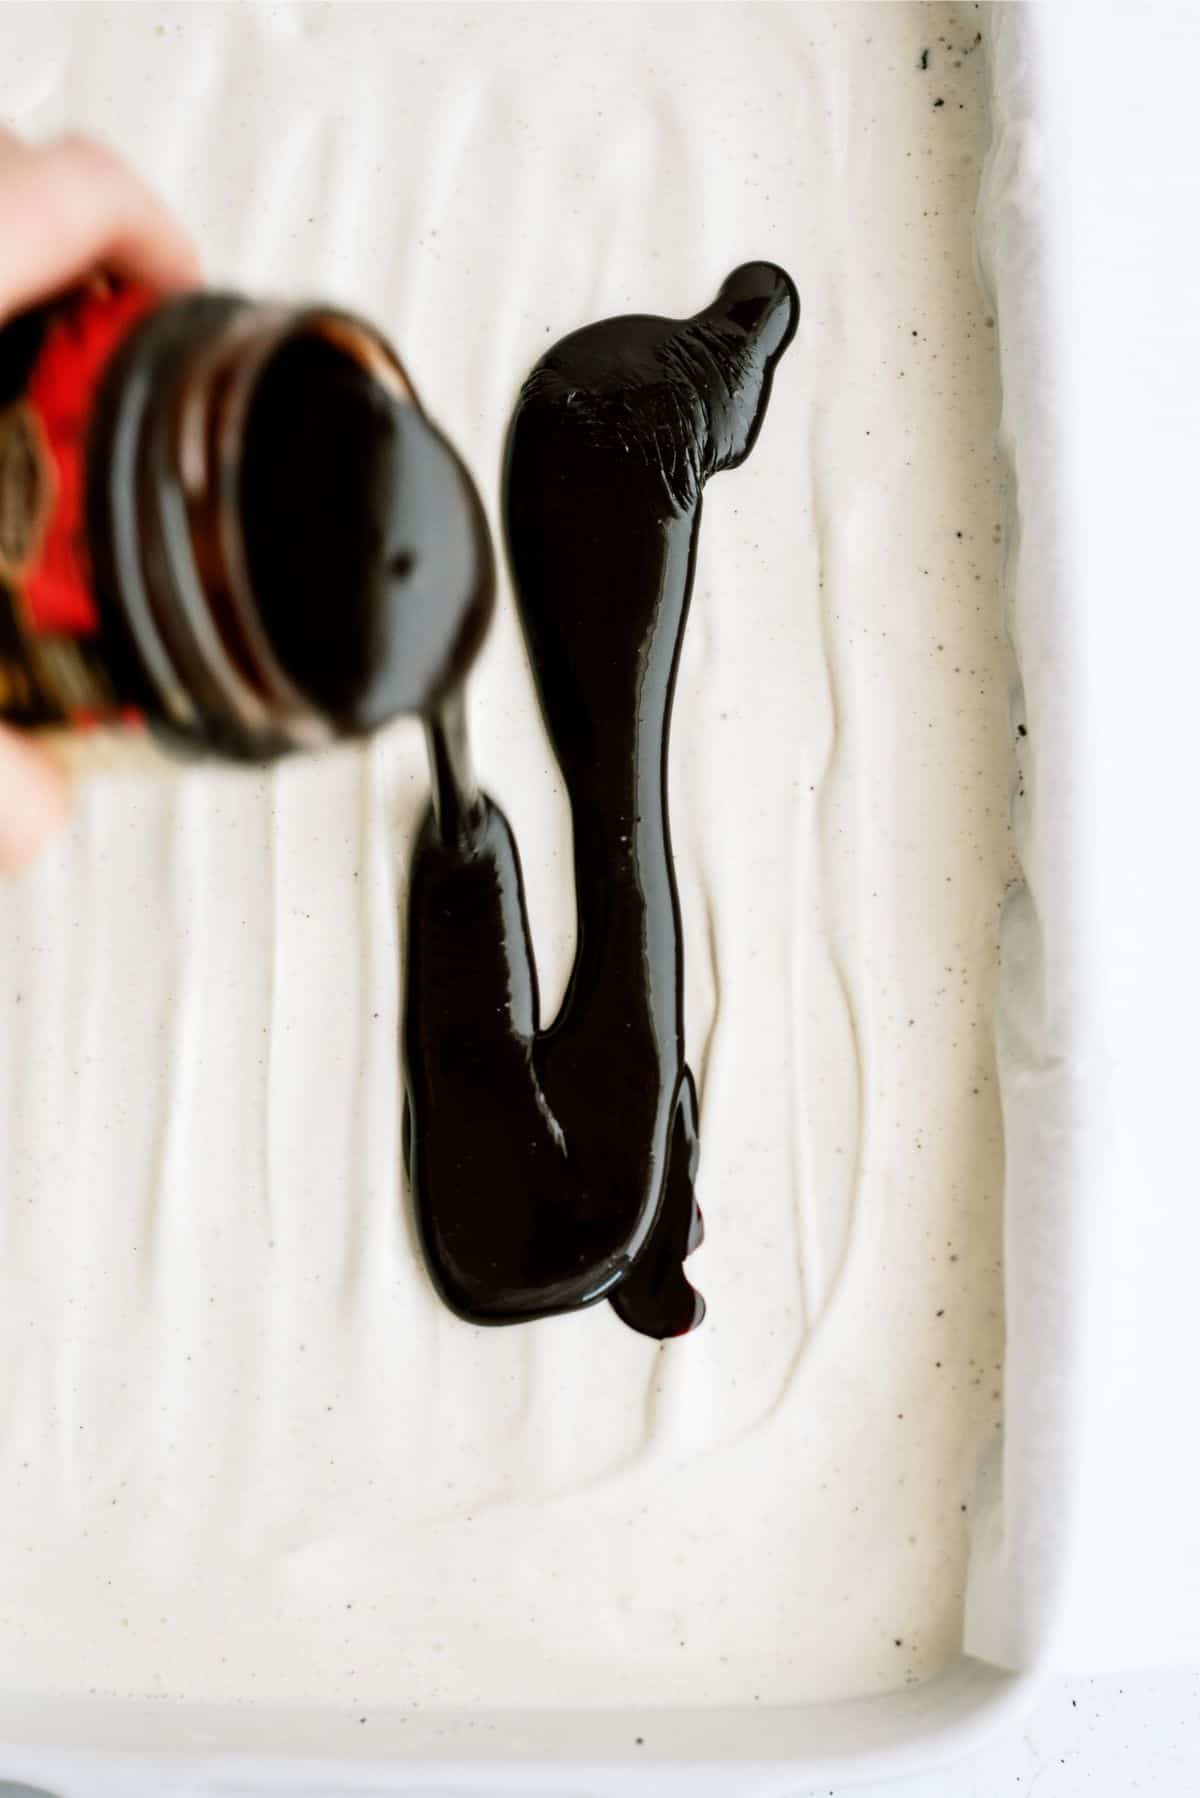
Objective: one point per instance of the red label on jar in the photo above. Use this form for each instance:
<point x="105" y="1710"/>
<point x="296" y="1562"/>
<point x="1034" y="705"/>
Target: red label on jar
<point x="48" y="670"/>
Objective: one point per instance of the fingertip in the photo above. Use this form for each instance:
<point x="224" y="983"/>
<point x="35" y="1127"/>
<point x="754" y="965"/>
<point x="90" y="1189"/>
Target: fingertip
<point x="170" y="267"/>
<point x="145" y="239"/>
<point x="35" y="801"/>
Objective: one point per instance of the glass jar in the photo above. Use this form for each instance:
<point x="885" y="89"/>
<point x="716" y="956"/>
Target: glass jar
<point x="229" y="520"/>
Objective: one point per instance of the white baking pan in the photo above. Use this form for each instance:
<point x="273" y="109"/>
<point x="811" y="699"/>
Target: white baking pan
<point x="1024" y="1521"/>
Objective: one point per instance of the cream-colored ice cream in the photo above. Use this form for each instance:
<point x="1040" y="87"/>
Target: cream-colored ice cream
<point x="244" y="1451"/>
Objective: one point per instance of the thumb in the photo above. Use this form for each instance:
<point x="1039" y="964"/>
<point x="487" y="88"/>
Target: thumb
<point x="35" y="799"/>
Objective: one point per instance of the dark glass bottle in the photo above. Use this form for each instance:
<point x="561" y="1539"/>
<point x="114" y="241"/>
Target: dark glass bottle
<point x="229" y="520"/>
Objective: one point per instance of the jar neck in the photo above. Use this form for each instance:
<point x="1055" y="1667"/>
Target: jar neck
<point x="205" y="543"/>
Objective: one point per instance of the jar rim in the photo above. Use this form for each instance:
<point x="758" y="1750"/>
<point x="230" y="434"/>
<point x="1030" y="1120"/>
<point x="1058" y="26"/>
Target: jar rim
<point x="215" y="397"/>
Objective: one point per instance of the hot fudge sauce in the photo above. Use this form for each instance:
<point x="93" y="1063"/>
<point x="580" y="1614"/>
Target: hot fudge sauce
<point x="553" y="1165"/>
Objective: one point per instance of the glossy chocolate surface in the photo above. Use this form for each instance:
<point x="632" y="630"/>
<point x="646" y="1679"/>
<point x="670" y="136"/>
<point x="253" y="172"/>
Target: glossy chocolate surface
<point x="553" y="1165"/>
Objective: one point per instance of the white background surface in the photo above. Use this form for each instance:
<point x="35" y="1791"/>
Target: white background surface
<point x="1128" y="331"/>
<point x="1111" y="1737"/>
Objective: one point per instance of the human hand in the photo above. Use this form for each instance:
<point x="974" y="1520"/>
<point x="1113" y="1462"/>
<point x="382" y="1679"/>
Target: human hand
<point x="66" y="208"/>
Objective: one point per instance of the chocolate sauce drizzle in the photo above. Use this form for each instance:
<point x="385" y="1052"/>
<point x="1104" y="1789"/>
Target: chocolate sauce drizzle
<point x="554" y="1166"/>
